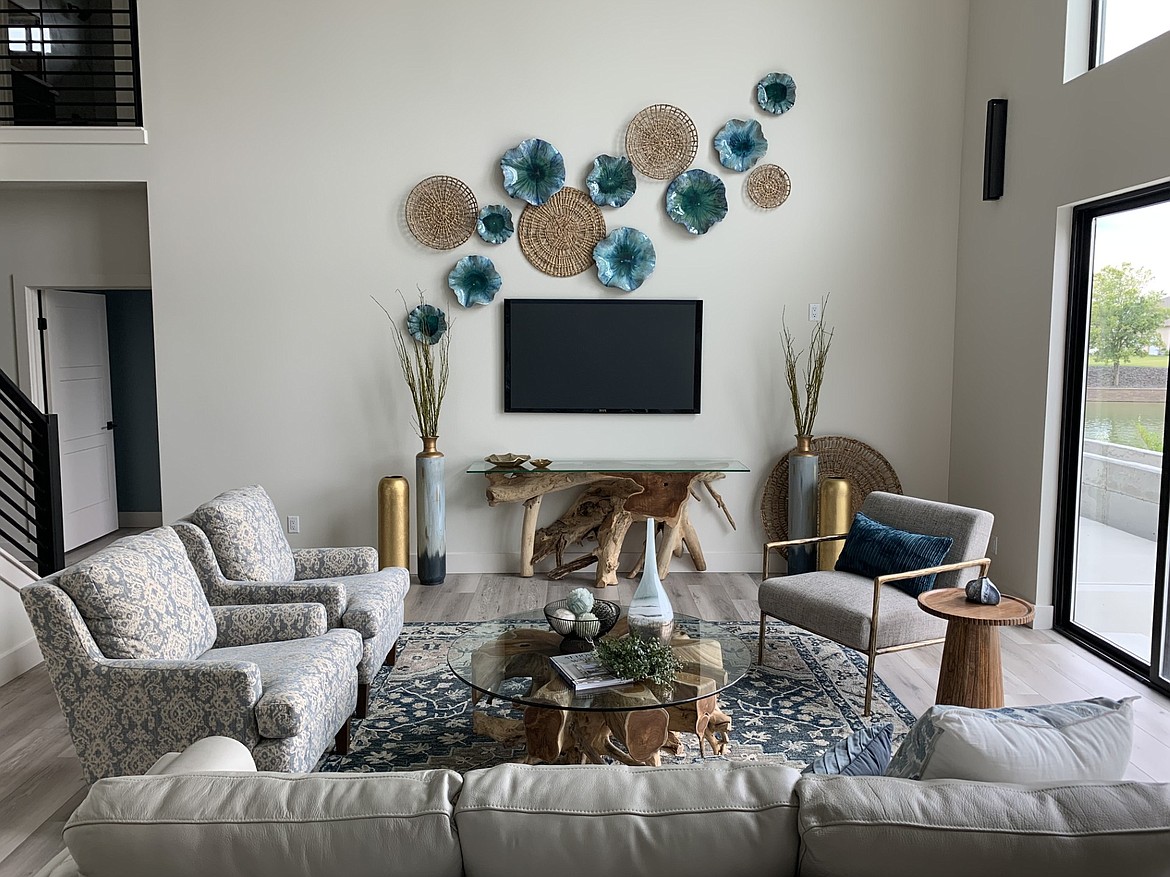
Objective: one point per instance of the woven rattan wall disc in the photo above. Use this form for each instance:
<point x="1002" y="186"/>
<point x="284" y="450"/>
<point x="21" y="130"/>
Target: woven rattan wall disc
<point x="661" y="141"/>
<point x="558" y="237"/>
<point x="864" y="468"/>
<point x="441" y="212"/>
<point x="768" y="186"/>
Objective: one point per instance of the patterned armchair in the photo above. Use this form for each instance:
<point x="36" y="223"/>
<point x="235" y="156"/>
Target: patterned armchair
<point x="241" y="555"/>
<point x="143" y="665"/>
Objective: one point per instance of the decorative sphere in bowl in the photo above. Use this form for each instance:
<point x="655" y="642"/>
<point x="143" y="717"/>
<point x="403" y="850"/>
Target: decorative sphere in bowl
<point x="598" y="622"/>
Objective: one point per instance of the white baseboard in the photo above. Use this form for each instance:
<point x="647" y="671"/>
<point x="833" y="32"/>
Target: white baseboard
<point x="1044" y="618"/>
<point x="19" y="659"/>
<point x="139" y="519"/>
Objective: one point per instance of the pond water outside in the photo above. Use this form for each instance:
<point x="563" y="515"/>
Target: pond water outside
<point x="1118" y="422"/>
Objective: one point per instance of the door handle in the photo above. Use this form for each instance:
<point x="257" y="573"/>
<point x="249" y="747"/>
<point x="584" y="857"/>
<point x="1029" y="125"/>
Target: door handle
<point x="111" y="426"/>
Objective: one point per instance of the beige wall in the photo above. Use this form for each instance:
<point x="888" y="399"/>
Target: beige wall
<point x="1067" y="142"/>
<point x="277" y="176"/>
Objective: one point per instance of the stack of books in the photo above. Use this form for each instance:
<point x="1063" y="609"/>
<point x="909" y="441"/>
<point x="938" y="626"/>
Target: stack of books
<point x="584" y="671"/>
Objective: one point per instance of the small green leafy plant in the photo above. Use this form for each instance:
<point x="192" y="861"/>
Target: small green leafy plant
<point x="633" y="658"/>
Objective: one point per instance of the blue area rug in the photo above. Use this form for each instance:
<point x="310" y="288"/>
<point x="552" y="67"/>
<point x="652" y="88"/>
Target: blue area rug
<point x="809" y="693"/>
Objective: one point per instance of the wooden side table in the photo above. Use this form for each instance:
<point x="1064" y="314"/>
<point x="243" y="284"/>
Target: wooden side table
<point x="972" y="673"/>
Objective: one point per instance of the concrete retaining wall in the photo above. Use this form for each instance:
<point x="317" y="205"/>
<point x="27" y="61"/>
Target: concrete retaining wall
<point x="1120" y="487"/>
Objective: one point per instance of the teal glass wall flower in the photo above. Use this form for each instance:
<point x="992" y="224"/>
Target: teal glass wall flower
<point x="611" y="183"/>
<point x="475" y="280"/>
<point x="624" y="259"/>
<point x="495" y="224"/>
<point x="776" y="93"/>
<point x="426" y="324"/>
<point x="696" y="200"/>
<point x="533" y="171"/>
<point x="740" y="144"/>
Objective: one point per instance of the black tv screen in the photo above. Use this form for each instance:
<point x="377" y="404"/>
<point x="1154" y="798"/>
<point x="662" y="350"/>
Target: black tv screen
<point x="602" y="356"/>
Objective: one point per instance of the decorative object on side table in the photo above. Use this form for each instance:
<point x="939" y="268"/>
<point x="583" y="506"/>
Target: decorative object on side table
<point x="474" y="280"/>
<point x="426" y="373"/>
<point x="740" y="144"/>
<point x="981" y="590"/>
<point x="650" y="616"/>
<point x="630" y="657"/>
<point x="802" y="462"/>
<point x="696" y="200"/>
<point x="624" y="259"/>
<point x="533" y="171"/>
<point x="540" y="462"/>
<point x="505" y="459"/>
<point x="768" y="186"/>
<point x="661" y="141"/>
<point x="393" y="522"/>
<point x="558" y="237"/>
<point x="776" y="93"/>
<point x="495" y="224"/>
<point x="440" y="212"/>
<point x="611" y="183"/>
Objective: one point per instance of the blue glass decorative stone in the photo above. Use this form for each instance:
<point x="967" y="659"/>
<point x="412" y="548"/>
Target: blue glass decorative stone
<point x="696" y="200"/>
<point x="981" y="590"/>
<point x="740" y="144"/>
<point x="533" y="171"/>
<point x="426" y="324"/>
<point x="624" y="259"/>
<point x="611" y="183"/>
<point x="475" y="280"/>
<point x="776" y="93"/>
<point x="495" y="224"/>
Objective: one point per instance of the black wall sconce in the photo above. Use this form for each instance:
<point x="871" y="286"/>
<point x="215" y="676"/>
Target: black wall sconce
<point x="994" y="149"/>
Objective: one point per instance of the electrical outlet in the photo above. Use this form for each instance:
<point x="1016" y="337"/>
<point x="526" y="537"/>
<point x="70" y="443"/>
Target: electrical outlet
<point x="294" y="523"/>
<point x="814" y="312"/>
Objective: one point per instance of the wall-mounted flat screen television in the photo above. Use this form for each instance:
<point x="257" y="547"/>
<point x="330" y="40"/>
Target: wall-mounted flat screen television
<point x="605" y="356"/>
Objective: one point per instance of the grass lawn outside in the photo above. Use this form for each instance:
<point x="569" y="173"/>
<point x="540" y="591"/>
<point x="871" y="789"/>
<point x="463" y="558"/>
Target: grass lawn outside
<point x="1140" y="361"/>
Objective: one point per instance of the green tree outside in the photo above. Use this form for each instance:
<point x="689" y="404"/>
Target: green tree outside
<point x="1125" y="314"/>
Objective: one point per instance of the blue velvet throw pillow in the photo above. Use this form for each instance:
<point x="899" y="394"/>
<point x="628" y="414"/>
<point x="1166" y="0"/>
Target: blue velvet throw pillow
<point x="872" y="549"/>
<point x="864" y="753"/>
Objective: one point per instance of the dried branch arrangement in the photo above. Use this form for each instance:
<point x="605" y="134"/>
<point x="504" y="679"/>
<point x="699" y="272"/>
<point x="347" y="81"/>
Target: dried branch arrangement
<point x="813" y="374"/>
<point x="424" y="370"/>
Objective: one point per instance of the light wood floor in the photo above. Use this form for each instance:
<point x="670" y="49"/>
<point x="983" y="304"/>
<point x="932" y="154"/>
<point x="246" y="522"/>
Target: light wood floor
<point x="40" y="777"/>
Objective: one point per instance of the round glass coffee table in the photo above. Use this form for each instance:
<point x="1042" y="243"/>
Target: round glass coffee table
<point x="509" y="658"/>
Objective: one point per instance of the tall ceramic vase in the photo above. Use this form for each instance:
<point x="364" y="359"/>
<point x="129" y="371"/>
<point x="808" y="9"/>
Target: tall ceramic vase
<point x="650" y="616"/>
<point x="431" y="513"/>
<point x="802" y="505"/>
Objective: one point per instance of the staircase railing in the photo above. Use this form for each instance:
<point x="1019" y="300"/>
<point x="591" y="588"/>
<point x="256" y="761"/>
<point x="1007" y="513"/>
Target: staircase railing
<point x="30" y="481"/>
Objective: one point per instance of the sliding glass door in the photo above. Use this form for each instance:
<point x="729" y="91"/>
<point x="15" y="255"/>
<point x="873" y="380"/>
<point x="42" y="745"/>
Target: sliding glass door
<point x="1115" y="489"/>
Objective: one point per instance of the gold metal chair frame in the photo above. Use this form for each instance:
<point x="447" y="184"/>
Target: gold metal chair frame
<point x="873" y="651"/>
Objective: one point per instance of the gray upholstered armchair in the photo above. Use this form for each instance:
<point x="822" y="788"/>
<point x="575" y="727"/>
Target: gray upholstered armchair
<point x="142" y="665"/>
<point x="241" y="555"/>
<point x="847" y="607"/>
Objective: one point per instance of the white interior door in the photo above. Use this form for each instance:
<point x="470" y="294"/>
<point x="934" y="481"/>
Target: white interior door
<point x="77" y="372"/>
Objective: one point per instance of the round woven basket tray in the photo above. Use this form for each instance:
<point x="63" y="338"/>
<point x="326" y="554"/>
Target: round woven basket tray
<point x="558" y="237"/>
<point x="768" y="186"/>
<point x="441" y="212"/>
<point x="661" y="141"/>
<point x="863" y="467"/>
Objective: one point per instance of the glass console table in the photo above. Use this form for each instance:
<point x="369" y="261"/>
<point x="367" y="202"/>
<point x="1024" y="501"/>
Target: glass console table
<point x="613" y="495"/>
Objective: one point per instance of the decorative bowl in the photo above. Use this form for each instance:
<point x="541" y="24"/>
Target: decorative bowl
<point x="696" y="200"/>
<point x="740" y="144"/>
<point x="776" y="93"/>
<point x="506" y="459"/>
<point x="624" y="259"/>
<point x="611" y="183"/>
<point x="495" y="224"/>
<point x="533" y="171"/>
<point x="475" y="280"/>
<point x="540" y="462"/>
<point x="426" y="324"/>
<point x="607" y="613"/>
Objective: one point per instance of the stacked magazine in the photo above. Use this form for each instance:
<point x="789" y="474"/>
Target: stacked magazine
<point x="584" y="671"/>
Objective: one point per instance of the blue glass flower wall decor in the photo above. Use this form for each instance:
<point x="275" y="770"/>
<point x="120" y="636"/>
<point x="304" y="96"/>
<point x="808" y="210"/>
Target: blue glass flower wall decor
<point x="475" y="280"/>
<point x="495" y="224"/>
<point x="426" y="324"/>
<point x="740" y="144"/>
<point x="611" y="183"/>
<point x="533" y="171"/>
<point x="776" y="93"/>
<point x="624" y="259"/>
<point x="696" y="200"/>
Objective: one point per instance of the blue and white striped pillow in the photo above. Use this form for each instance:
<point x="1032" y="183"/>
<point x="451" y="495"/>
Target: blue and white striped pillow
<point x="873" y="549"/>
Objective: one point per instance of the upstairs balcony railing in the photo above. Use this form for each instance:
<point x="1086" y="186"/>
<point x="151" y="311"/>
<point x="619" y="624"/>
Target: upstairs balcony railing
<point x="69" y="63"/>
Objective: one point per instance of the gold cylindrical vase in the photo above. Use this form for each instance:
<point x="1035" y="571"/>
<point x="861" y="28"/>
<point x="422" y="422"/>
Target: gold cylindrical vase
<point x="394" y="522"/>
<point x="834" y="504"/>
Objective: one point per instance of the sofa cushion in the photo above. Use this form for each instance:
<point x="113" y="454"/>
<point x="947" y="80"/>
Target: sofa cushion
<point x="865" y="752"/>
<point x="586" y="820"/>
<point x="140" y="598"/>
<point x="268" y="825"/>
<point x="1082" y="740"/>
<point x="245" y="533"/>
<point x="873" y="549"/>
<point x="878" y="826"/>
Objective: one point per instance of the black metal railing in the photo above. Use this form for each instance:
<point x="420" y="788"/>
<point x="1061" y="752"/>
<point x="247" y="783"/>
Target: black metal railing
<point x="69" y="63"/>
<point x="30" y="481"/>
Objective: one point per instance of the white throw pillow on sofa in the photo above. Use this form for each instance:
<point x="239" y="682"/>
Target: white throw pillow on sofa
<point x="1082" y="740"/>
